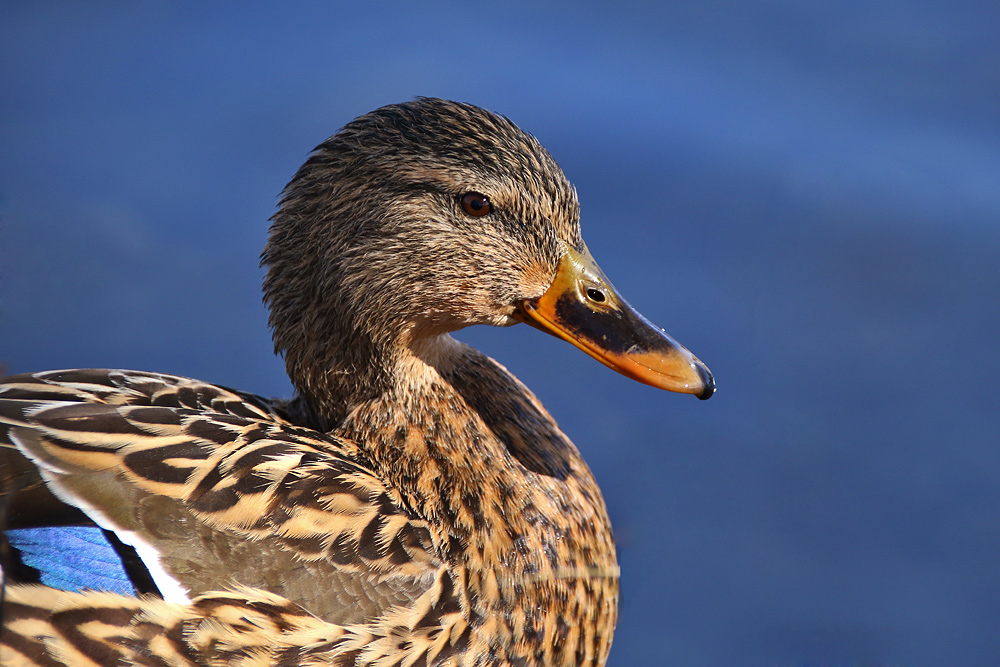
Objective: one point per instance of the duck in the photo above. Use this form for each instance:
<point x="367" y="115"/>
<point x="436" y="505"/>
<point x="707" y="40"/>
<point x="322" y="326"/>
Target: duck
<point x="413" y="503"/>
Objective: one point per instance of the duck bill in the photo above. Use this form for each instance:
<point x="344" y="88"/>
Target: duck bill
<point x="582" y="307"/>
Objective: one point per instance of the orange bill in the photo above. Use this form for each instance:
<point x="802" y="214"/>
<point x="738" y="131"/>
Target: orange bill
<point x="582" y="307"/>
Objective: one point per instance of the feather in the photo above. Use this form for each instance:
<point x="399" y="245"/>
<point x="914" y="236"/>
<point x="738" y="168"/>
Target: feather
<point x="71" y="558"/>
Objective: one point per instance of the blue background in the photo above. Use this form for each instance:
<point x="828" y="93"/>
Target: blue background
<point x="806" y="194"/>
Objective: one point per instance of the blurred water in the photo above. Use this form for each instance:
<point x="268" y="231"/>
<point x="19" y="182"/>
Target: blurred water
<point x="804" y="194"/>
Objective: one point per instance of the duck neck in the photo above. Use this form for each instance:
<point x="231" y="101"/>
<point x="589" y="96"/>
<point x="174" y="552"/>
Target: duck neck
<point x="451" y="414"/>
<point x="505" y="493"/>
<point x="444" y="424"/>
<point x="332" y="380"/>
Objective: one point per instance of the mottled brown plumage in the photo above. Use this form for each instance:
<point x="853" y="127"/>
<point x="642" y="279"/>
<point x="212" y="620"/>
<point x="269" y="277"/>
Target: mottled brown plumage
<point x="414" y="504"/>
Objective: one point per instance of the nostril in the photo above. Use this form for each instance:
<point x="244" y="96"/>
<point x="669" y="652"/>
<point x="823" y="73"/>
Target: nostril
<point x="596" y="295"/>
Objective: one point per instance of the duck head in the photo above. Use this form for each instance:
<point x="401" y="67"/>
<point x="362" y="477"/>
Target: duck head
<point x="425" y="217"/>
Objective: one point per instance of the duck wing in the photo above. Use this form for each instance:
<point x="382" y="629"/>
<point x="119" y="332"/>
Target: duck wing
<point x="216" y="489"/>
<point x="244" y="627"/>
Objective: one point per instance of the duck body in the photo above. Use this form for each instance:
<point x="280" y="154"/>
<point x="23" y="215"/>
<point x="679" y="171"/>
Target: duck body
<point x="414" y="504"/>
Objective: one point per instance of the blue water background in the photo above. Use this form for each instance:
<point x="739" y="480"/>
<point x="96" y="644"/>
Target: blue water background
<point x="805" y="194"/>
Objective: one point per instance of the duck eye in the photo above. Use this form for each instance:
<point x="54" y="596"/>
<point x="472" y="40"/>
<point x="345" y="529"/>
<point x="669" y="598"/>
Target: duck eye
<point x="595" y="295"/>
<point x="476" y="204"/>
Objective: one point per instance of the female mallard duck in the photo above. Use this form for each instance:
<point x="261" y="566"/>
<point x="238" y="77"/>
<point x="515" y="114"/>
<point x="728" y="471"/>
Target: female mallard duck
<point x="414" y="504"/>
